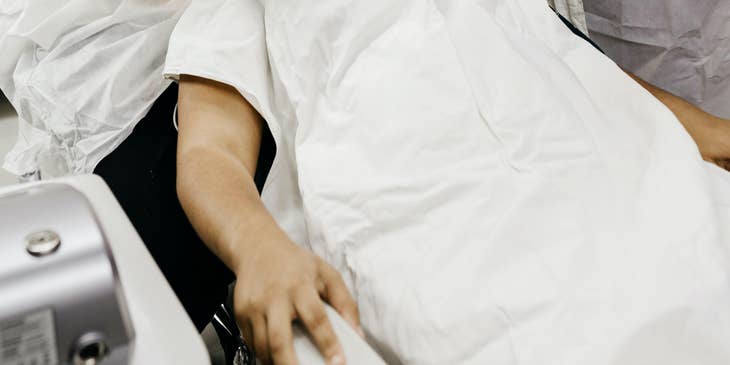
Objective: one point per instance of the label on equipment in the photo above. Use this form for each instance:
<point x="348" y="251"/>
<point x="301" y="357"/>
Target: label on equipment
<point x="28" y="340"/>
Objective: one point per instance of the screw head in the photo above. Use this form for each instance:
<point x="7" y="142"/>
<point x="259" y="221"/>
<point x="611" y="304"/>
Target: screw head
<point x="42" y="243"/>
<point x="90" y="349"/>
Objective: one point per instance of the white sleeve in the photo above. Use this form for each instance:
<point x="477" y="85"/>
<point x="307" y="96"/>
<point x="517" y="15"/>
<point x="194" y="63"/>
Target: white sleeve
<point x="81" y="73"/>
<point x="225" y="41"/>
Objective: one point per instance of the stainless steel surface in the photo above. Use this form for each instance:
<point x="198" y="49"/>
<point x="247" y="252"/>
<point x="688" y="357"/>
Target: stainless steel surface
<point x="69" y="281"/>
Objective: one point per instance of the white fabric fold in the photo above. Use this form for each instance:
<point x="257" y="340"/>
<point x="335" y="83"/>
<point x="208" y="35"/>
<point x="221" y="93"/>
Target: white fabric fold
<point x="492" y="188"/>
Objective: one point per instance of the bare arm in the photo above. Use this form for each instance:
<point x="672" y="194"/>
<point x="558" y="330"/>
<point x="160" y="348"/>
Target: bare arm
<point x="277" y="281"/>
<point x="217" y="156"/>
<point x="712" y="134"/>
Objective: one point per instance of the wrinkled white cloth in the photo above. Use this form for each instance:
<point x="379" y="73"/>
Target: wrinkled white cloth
<point x="573" y="11"/>
<point x="80" y="74"/>
<point x="492" y="188"/>
<point x="682" y="46"/>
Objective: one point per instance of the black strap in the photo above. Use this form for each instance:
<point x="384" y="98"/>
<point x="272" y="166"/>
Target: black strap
<point x="577" y="32"/>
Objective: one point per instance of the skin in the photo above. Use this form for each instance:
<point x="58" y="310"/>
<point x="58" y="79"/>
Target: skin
<point x="710" y="133"/>
<point x="277" y="281"/>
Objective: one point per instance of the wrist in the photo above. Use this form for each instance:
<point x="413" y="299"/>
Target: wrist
<point x="248" y="238"/>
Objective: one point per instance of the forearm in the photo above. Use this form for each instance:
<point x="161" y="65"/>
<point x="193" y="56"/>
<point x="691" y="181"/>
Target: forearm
<point x="218" y="144"/>
<point x="221" y="200"/>
<point x="276" y="280"/>
<point x="702" y="126"/>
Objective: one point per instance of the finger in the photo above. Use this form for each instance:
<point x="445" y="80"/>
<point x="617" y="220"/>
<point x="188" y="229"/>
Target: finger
<point x="247" y="334"/>
<point x="261" y="339"/>
<point x="338" y="296"/>
<point x="247" y="337"/>
<point x="244" y="326"/>
<point x="281" y="340"/>
<point x="312" y="314"/>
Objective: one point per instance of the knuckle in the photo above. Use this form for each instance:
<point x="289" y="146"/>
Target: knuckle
<point x="244" y="305"/>
<point x="295" y="282"/>
<point x="322" y="267"/>
<point x="257" y="307"/>
<point x="349" y="301"/>
<point x="350" y="308"/>
<point x="258" y="304"/>
<point x="318" y="319"/>
<point x="302" y="295"/>
<point x="331" y="276"/>
<point x="298" y="288"/>
<point x="277" y="345"/>
<point x="328" y="341"/>
<point x="241" y="313"/>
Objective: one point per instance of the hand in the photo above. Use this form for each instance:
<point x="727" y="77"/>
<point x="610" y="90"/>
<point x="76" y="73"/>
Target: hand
<point x="714" y="142"/>
<point x="279" y="282"/>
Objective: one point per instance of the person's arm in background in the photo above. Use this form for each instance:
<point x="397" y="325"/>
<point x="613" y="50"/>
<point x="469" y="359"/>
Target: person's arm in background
<point x="277" y="281"/>
<point x="710" y="133"/>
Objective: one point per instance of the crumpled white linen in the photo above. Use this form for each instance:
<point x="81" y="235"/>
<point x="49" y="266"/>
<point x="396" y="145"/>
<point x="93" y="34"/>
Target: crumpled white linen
<point x="103" y="73"/>
<point x="492" y="188"/>
<point x="80" y="74"/>
<point x="681" y="46"/>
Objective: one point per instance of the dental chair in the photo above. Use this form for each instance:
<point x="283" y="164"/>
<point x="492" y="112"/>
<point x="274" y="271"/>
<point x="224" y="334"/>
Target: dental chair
<point x="78" y="287"/>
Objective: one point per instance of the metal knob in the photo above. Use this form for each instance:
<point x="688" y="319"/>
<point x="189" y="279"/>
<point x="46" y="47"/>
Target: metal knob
<point x="90" y="349"/>
<point x="42" y="243"/>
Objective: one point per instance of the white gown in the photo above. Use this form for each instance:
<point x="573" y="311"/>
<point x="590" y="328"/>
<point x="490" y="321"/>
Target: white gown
<point x="492" y="188"/>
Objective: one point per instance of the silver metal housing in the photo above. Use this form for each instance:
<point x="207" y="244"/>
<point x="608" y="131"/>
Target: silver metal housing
<point x="60" y="297"/>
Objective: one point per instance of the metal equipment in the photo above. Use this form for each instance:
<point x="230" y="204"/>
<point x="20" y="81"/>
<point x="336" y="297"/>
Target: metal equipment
<point x="61" y="301"/>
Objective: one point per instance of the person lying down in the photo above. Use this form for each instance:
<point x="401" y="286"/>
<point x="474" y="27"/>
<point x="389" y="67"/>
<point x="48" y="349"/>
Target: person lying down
<point x="466" y="182"/>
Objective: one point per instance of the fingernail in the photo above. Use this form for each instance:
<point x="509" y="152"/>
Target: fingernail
<point x="337" y="360"/>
